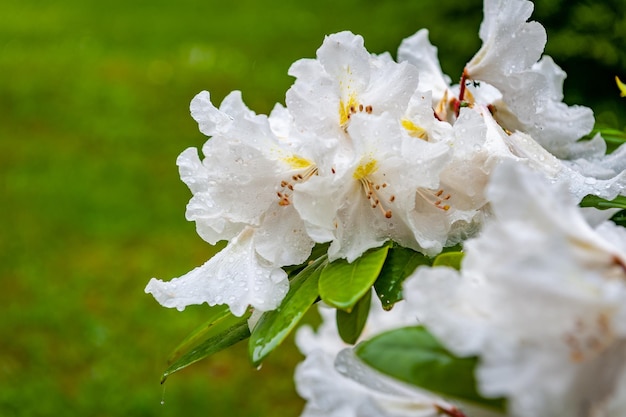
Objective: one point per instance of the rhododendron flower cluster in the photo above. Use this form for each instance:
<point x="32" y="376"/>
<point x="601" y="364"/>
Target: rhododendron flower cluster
<point x="370" y="151"/>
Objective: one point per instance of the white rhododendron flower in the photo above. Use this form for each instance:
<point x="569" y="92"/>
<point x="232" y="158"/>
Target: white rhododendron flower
<point x="540" y="298"/>
<point x="345" y="80"/>
<point x="371" y="199"/>
<point x="243" y="187"/>
<point x="531" y="89"/>
<point x="369" y="150"/>
<point x="336" y="383"/>
<point x="524" y="93"/>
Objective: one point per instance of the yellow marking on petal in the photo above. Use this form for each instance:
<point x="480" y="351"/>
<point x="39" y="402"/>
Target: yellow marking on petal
<point x="414" y="130"/>
<point x="621" y="86"/>
<point x="297" y="162"/>
<point x="347" y="109"/>
<point x="365" y="169"/>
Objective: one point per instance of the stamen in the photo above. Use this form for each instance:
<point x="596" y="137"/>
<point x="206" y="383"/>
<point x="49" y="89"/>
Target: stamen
<point x="370" y="193"/>
<point x="436" y="198"/>
<point x="352" y="106"/>
<point x="440" y="111"/>
<point x="284" y="198"/>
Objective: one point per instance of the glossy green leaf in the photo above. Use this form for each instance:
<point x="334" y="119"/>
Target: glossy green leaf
<point x="223" y="334"/>
<point x="603" y="204"/>
<point x="413" y="355"/>
<point x="216" y="315"/>
<point x="400" y="263"/>
<point x="350" y="325"/>
<point x="318" y="251"/>
<point x="342" y="284"/>
<point x="274" y="326"/>
<point x="451" y="259"/>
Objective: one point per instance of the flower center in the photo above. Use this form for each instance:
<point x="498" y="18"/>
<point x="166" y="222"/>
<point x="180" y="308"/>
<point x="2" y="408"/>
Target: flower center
<point x="372" y="189"/>
<point x="352" y="106"/>
<point x="414" y="130"/>
<point x="304" y="168"/>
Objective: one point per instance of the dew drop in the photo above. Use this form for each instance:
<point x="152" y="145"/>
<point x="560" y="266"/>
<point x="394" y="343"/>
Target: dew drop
<point x="163" y="395"/>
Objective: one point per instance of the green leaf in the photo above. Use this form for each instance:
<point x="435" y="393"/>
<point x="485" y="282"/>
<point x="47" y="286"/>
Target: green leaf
<point x="222" y="334"/>
<point x="342" y="284"/>
<point x="619" y="218"/>
<point x="400" y="263"/>
<point x="413" y="355"/>
<point x="274" y="326"/>
<point x="603" y="204"/>
<point x="451" y="259"/>
<point x="215" y="316"/>
<point x="319" y="250"/>
<point x="350" y="325"/>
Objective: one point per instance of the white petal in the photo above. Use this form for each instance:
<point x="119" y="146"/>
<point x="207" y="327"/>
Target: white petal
<point x="210" y="120"/>
<point x="418" y="51"/>
<point x="510" y="43"/>
<point x="235" y="276"/>
<point x="282" y="238"/>
<point x="191" y="170"/>
<point x="568" y="173"/>
<point x="344" y="57"/>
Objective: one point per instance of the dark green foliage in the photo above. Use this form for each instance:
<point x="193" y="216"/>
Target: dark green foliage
<point x="400" y="263"/>
<point x="413" y="355"/>
<point x="350" y="325"/>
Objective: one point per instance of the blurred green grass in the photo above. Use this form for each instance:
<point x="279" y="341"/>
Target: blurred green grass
<point x="94" y="103"/>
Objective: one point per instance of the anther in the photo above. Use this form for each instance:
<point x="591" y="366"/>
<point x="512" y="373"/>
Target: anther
<point x="368" y="109"/>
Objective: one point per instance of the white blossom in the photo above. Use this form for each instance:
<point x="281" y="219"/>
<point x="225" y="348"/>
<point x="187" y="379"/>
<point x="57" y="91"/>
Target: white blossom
<point x="540" y="298"/>
<point x="336" y="383"/>
<point x="242" y="192"/>
<point x="371" y="198"/>
<point x="524" y="94"/>
<point x="344" y="80"/>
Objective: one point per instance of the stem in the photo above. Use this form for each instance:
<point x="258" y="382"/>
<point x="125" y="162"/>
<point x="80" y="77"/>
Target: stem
<point x="457" y="105"/>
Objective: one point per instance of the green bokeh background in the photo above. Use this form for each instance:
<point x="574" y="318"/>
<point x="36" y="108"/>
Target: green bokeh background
<point x="94" y="103"/>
